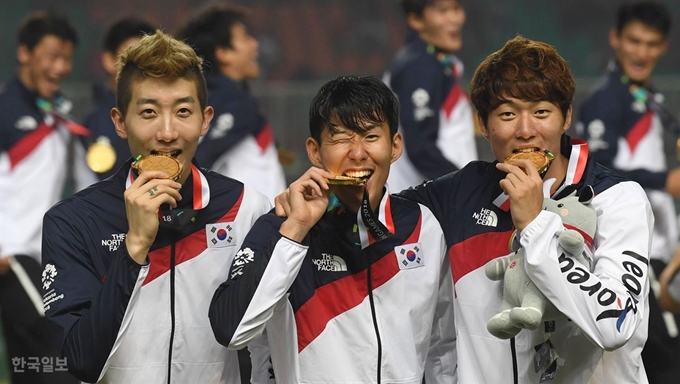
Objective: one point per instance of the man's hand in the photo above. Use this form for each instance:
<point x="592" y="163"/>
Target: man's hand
<point x="142" y="202"/>
<point x="673" y="183"/>
<point x="525" y="188"/>
<point x="304" y="202"/>
<point x="665" y="299"/>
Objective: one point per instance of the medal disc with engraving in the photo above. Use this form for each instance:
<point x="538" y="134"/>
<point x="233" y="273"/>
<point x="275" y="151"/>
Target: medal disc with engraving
<point x="346" y="180"/>
<point x="101" y="156"/>
<point x="541" y="159"/>
<point x="167" y="164"/>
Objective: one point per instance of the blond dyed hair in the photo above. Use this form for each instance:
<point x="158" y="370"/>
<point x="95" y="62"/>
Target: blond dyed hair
<point x="158" y="56"/>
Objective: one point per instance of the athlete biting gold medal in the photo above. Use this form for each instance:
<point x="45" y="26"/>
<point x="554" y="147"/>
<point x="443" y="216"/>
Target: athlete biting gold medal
<point x="347" y="180"/>
<point x="540" y="158"/>
<point x="167" y="164"/>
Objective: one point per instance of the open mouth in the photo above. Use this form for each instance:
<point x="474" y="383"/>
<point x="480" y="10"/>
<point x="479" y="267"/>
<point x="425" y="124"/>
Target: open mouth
<point x="165" y="153"/>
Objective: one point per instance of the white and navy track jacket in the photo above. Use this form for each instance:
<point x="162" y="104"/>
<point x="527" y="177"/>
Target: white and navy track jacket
<point x="337" y="311"/>
<point x="606" y="305"/>
<point x="119" y="322"/>
<point x="435" y="115"/>
<point x="240" y="141"/>
<point x="34" y="160"/>
<point x="626" y="134"/>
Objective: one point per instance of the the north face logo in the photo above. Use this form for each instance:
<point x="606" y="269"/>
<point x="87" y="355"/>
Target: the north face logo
<point x="486" y="217"/>
<point x="330" y="263"/>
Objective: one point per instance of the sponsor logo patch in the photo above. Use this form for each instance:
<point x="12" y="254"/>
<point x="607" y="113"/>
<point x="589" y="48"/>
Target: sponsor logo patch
<point x="114" y="242"/>
<point x="420" y="99"/>
<point x="222" y="125"/>
<point x="26" y="123"/>
<point x="48" y="275"/>
<point x="242" y="257"/>
<point x="486" y="217"/>
<point x="330" y="263"/>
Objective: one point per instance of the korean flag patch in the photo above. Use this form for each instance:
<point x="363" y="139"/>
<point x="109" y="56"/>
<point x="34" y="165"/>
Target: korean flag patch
<point x="410" y="256"/>
<point x="220" y="235"/>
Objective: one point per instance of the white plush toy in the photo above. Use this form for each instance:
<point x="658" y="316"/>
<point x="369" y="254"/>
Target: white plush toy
<point x="524" y="306"/>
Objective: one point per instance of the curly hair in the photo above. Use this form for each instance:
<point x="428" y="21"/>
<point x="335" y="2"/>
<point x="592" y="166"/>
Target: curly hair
<point x="522" y="69"/>
<point x="158" y="56"/>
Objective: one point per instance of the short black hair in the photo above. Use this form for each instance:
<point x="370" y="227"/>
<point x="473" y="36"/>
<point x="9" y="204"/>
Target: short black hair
<point x="44" y="23"/>
<point x="649" y="13"/>
<point x="211" y="28"/>
<point x="125" y="29"/>
<point x="353" y="101"/>
<point x="417" y="6"/>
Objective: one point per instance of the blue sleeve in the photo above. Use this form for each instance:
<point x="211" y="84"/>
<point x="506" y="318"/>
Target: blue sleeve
<point x="234" y="120"/>
<point x="233" y="297"/>
<point x="420" y="120"/>
<point x="602" y="119"/>
<point x="438" y="195"/>
<point x="84" y="308"/>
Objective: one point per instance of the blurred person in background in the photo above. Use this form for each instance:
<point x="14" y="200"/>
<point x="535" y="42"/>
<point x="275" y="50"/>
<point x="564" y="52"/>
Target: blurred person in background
<point x="436" y="117"/>
<point x="37" y="152"/>
<point x="106" y="151"/>
<point x="240" y="142"/>
<point x="624" y="121"/>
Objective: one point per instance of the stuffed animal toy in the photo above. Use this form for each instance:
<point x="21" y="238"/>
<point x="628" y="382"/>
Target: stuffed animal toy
<point x="524" y="306"/>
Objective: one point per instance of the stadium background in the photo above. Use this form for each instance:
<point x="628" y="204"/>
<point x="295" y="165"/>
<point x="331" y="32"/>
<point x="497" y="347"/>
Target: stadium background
<point x="304" y="43"/>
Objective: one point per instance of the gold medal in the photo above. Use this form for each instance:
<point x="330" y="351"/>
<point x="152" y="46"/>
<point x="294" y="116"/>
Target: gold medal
<point x="167" y="164"/>
<point x="346" y="180"/>
<point x="541" y="159"/>
<point x="101" y="156"/>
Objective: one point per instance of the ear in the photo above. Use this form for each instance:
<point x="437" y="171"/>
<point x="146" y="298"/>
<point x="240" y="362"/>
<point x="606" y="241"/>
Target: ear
<point x="119" y="123"/>
<point x="481" y="125"/>
<point x="223" y="56"/>
<point x="614" y="39"/>
<point x="23" y="54"/>
<point x="208" y="114"/>
<point x="109" y="63"/>
<point x="665" y="46"/>
<point x="415" y="22"/>
<point x="397" y="147"/>
<point x="567" y="120"/>
<point x="314" y="152"/>
<point x="586" y="195"/>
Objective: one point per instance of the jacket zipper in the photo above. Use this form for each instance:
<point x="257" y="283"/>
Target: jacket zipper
<point x="514" y="361"/>
<point x="373" y="315"/>
<point x="172" y="309"/>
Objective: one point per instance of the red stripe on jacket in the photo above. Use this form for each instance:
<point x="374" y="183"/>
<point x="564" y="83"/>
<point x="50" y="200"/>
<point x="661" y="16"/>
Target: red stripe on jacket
<point x="186" y="248"/>
<point x="344" y="294"/>
<point x="27" y="144"/>
<point x="639" y="130"/>
<point x="265" y="137"/>
<point x="476" y="251"/>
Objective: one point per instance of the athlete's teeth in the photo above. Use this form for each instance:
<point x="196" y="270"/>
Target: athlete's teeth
<point x="358" y="174"/>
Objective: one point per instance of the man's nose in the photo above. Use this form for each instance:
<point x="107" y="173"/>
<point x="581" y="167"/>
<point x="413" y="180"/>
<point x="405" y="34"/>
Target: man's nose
<point x="526" y="127"/>
<point x="167" y="131"/>
<point x="358" y="150"/>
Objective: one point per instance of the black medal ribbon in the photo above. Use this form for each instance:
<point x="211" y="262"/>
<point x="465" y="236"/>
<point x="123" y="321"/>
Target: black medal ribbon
<point x="374" y="226"/>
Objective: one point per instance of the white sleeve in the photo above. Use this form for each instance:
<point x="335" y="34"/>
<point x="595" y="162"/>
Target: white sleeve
<point x="279" y="275"/>
<point x="608" y="302"/>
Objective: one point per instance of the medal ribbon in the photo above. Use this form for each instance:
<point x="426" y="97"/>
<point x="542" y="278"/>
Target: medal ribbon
<point x="374" y="228"/>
